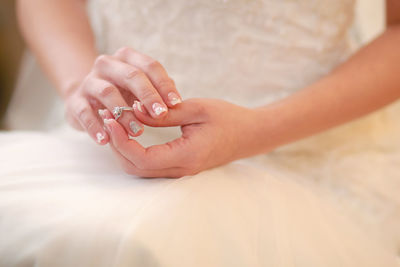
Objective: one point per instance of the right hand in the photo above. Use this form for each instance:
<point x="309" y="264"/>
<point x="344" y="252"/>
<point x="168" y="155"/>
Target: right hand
<point x="118" y="80"/>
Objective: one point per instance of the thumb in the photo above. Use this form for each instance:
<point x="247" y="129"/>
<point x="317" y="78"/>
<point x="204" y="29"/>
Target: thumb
<point x="189" y="111"/>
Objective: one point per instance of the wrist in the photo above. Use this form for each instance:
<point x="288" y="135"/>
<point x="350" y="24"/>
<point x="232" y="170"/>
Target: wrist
<point x="266" y="130"/>
<point x="75" y="76"/>
<point x="253" y="133"/>
<point x="69" y="87"/>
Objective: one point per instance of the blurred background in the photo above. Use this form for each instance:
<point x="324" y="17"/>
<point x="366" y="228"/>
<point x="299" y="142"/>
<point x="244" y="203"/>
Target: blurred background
<point x="18" y="69"/>
<point x="11" y="48"/>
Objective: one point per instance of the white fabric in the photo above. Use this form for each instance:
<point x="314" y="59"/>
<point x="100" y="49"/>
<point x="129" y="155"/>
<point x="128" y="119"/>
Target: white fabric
<point x="66" y="203"/>
<point x="258" y="51"/>
<point x="330" y="200"/>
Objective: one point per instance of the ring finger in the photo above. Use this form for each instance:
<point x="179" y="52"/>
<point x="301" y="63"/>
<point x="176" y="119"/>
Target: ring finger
<point x="110" y="97"/>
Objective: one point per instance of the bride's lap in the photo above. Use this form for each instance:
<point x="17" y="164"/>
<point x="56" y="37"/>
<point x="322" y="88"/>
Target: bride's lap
<point x="65" y="202"/>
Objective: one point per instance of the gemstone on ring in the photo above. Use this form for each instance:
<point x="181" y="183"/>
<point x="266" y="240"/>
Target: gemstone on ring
<point x="117" y="111"/>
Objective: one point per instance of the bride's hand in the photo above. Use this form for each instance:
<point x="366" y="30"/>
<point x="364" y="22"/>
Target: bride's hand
<point x="214" y="132"/>
<point x="116" y="81"/>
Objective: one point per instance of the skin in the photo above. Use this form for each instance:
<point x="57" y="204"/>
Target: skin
<point x="214" y="132"/>
<point x="98" y="81"/>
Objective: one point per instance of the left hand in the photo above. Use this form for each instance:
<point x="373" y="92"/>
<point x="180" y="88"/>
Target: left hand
<point x="116" y="81"/>
<point x="214" y="132"/>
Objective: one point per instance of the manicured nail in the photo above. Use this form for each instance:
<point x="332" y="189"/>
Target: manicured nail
<point x="158" y="108"/>
<point x="138" y="105"/>
<point x="135" y="127"/>
<point x="174" y="98"/>
<point x="107" y="124"/>
<point x="101" y="112"/>
<point x="100" y="137"/>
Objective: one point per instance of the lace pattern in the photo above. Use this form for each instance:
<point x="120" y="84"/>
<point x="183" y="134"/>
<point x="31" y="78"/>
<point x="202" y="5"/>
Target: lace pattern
<point x="250" y="52"/>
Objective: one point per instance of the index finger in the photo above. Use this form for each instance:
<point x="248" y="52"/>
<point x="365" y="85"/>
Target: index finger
<point x="130" y="148"/>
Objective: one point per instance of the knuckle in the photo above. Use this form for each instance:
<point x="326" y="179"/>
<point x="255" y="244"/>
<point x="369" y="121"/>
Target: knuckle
<point x="106" y="91"/>
<point x="101" y="61"/>
<point x="123" y="52"/>
<point x="152" y="65"/>
<point x="135" y="74"/>
<point x="199" y="110"/>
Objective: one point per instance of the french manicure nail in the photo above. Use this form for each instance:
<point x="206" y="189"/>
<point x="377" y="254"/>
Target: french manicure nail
<point x="174" y="98"/>
<point x="158" y="108"/>
<point x="135" y="127"/>
<point x="138" y="105"/>
<point x="107" y="124"/>
<point x="101" y="112"/>
<point x="100" y="137"/>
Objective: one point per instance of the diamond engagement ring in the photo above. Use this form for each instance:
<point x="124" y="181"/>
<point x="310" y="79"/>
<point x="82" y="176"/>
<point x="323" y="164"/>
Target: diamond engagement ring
<point x="117" y="111"/>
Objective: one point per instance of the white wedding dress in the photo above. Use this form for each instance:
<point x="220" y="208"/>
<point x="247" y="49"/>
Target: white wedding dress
<point x="329" y="200"/>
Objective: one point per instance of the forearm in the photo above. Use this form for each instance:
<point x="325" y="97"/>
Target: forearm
<point x="366" y="82"/>
<point x="59" y="34"/>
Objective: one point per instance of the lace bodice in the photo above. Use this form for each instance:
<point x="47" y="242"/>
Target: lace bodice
<point x="250" y="52"/>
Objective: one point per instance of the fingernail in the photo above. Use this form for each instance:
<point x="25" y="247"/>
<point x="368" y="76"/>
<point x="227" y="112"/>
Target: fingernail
<point x="135" y="127"/>
<point x="174" y="98"/>
<point x="107" y="124"/>
<point x="138" y="105"/>
<point x="100" y="137"/>
<point x="158" y="108"/>
<point x="101" y="112"/>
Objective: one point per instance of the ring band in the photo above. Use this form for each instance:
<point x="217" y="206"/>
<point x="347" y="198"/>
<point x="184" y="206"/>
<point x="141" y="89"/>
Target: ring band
<point x="117" y="111"/>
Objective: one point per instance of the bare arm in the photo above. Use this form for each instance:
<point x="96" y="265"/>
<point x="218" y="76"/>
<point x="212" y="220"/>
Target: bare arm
<point x="369" y="80"/>
<point x="59" y="34"/>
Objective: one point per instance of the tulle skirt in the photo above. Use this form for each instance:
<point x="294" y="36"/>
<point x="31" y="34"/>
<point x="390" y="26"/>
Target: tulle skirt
<point x="64" y="201"/>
